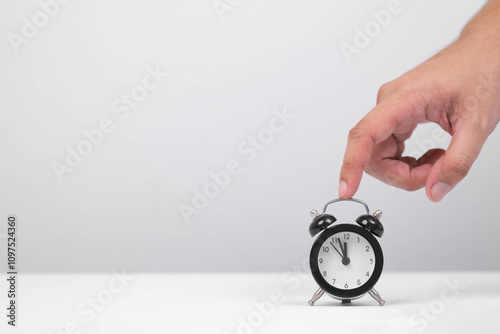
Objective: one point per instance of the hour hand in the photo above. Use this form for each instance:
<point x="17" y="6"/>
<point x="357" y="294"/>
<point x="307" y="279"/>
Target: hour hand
<point x="345" y="258"/>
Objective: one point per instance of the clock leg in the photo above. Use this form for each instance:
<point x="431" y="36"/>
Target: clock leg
<point x="376" y="296"/>
<point x="317" y="295"/>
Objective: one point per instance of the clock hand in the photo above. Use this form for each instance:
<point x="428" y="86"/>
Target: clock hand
<point x="342" y="256"/>
<point x="345" y="259"/>
<point x="341" y="248"/>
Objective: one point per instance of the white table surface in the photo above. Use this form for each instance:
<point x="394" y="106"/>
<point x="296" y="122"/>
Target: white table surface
<point x="229" y="303"/>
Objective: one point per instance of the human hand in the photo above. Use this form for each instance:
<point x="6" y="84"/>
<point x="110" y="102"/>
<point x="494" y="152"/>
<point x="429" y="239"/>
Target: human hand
<point x="459" y="89"/>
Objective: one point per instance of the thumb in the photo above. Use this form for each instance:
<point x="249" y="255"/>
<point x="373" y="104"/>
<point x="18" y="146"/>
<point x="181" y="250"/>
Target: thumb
<point x="455" y="164"/>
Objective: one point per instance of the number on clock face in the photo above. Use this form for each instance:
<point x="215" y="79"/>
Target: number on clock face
<point x="346" y="260"/>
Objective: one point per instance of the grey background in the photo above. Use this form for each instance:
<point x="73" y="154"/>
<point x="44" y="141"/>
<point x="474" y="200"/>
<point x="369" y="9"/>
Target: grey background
<point x="120" y="206"/>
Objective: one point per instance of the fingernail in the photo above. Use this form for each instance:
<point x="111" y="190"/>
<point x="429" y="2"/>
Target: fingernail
<point x="439" y="190"/>
<point x="342" y="188"/>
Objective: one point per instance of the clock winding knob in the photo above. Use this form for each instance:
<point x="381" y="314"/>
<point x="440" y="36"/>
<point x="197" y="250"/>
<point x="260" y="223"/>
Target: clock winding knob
<point x="377" y="214"/>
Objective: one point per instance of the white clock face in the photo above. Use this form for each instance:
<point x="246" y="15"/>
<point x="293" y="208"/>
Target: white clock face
<point x="346" y="260"/>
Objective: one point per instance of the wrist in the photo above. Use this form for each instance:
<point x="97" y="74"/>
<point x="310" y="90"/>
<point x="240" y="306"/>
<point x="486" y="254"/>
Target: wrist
<point x="482" y="34"/>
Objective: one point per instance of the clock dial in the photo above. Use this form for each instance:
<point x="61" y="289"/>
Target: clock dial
<point x="346" y="260"/>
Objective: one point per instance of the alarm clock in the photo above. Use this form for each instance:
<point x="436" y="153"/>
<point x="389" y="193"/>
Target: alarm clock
<point x="346" y="259"/>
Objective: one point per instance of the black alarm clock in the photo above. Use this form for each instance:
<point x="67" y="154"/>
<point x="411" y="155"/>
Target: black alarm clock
<point x="346" y="259"/>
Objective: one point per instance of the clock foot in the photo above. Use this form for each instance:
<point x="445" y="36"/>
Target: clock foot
<point x="376" y="296"/>
<point x="346" y="301"/>
<point x="317" y="295"/>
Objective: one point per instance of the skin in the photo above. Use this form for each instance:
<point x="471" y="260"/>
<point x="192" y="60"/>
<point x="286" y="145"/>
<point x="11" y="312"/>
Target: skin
<point x="458" y="89"/>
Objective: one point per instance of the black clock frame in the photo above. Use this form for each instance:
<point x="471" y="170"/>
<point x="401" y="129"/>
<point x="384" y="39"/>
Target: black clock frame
<point x="347" y="293"/>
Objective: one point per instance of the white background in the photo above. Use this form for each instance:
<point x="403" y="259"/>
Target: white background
<point x="120" y="207"/>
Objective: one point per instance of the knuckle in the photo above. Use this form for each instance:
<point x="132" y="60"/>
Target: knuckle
<point x="406" y="184"/>
<point x="411" y="186"/>
<point x="356" y="131"/>
<point x="459" y="164"/>
<point x="382" y="91"/>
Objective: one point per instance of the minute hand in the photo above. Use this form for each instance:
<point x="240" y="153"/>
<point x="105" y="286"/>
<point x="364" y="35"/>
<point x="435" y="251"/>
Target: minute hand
<point x="342" y="248"/>
<point x="341" y="255"/>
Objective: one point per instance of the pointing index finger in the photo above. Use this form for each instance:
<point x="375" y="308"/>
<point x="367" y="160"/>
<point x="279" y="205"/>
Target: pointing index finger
<point x="356" y="157"/>
<point x="378" y="125"/>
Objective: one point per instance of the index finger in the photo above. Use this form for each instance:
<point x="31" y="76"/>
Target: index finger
<point x="378" y="125"/>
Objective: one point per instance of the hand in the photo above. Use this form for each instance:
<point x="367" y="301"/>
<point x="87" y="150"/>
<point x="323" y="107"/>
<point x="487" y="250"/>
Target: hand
<point x="459" y="89"/>
<point x="345" y="258"/>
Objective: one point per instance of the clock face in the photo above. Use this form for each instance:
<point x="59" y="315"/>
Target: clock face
<point x="346" y="260"/>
